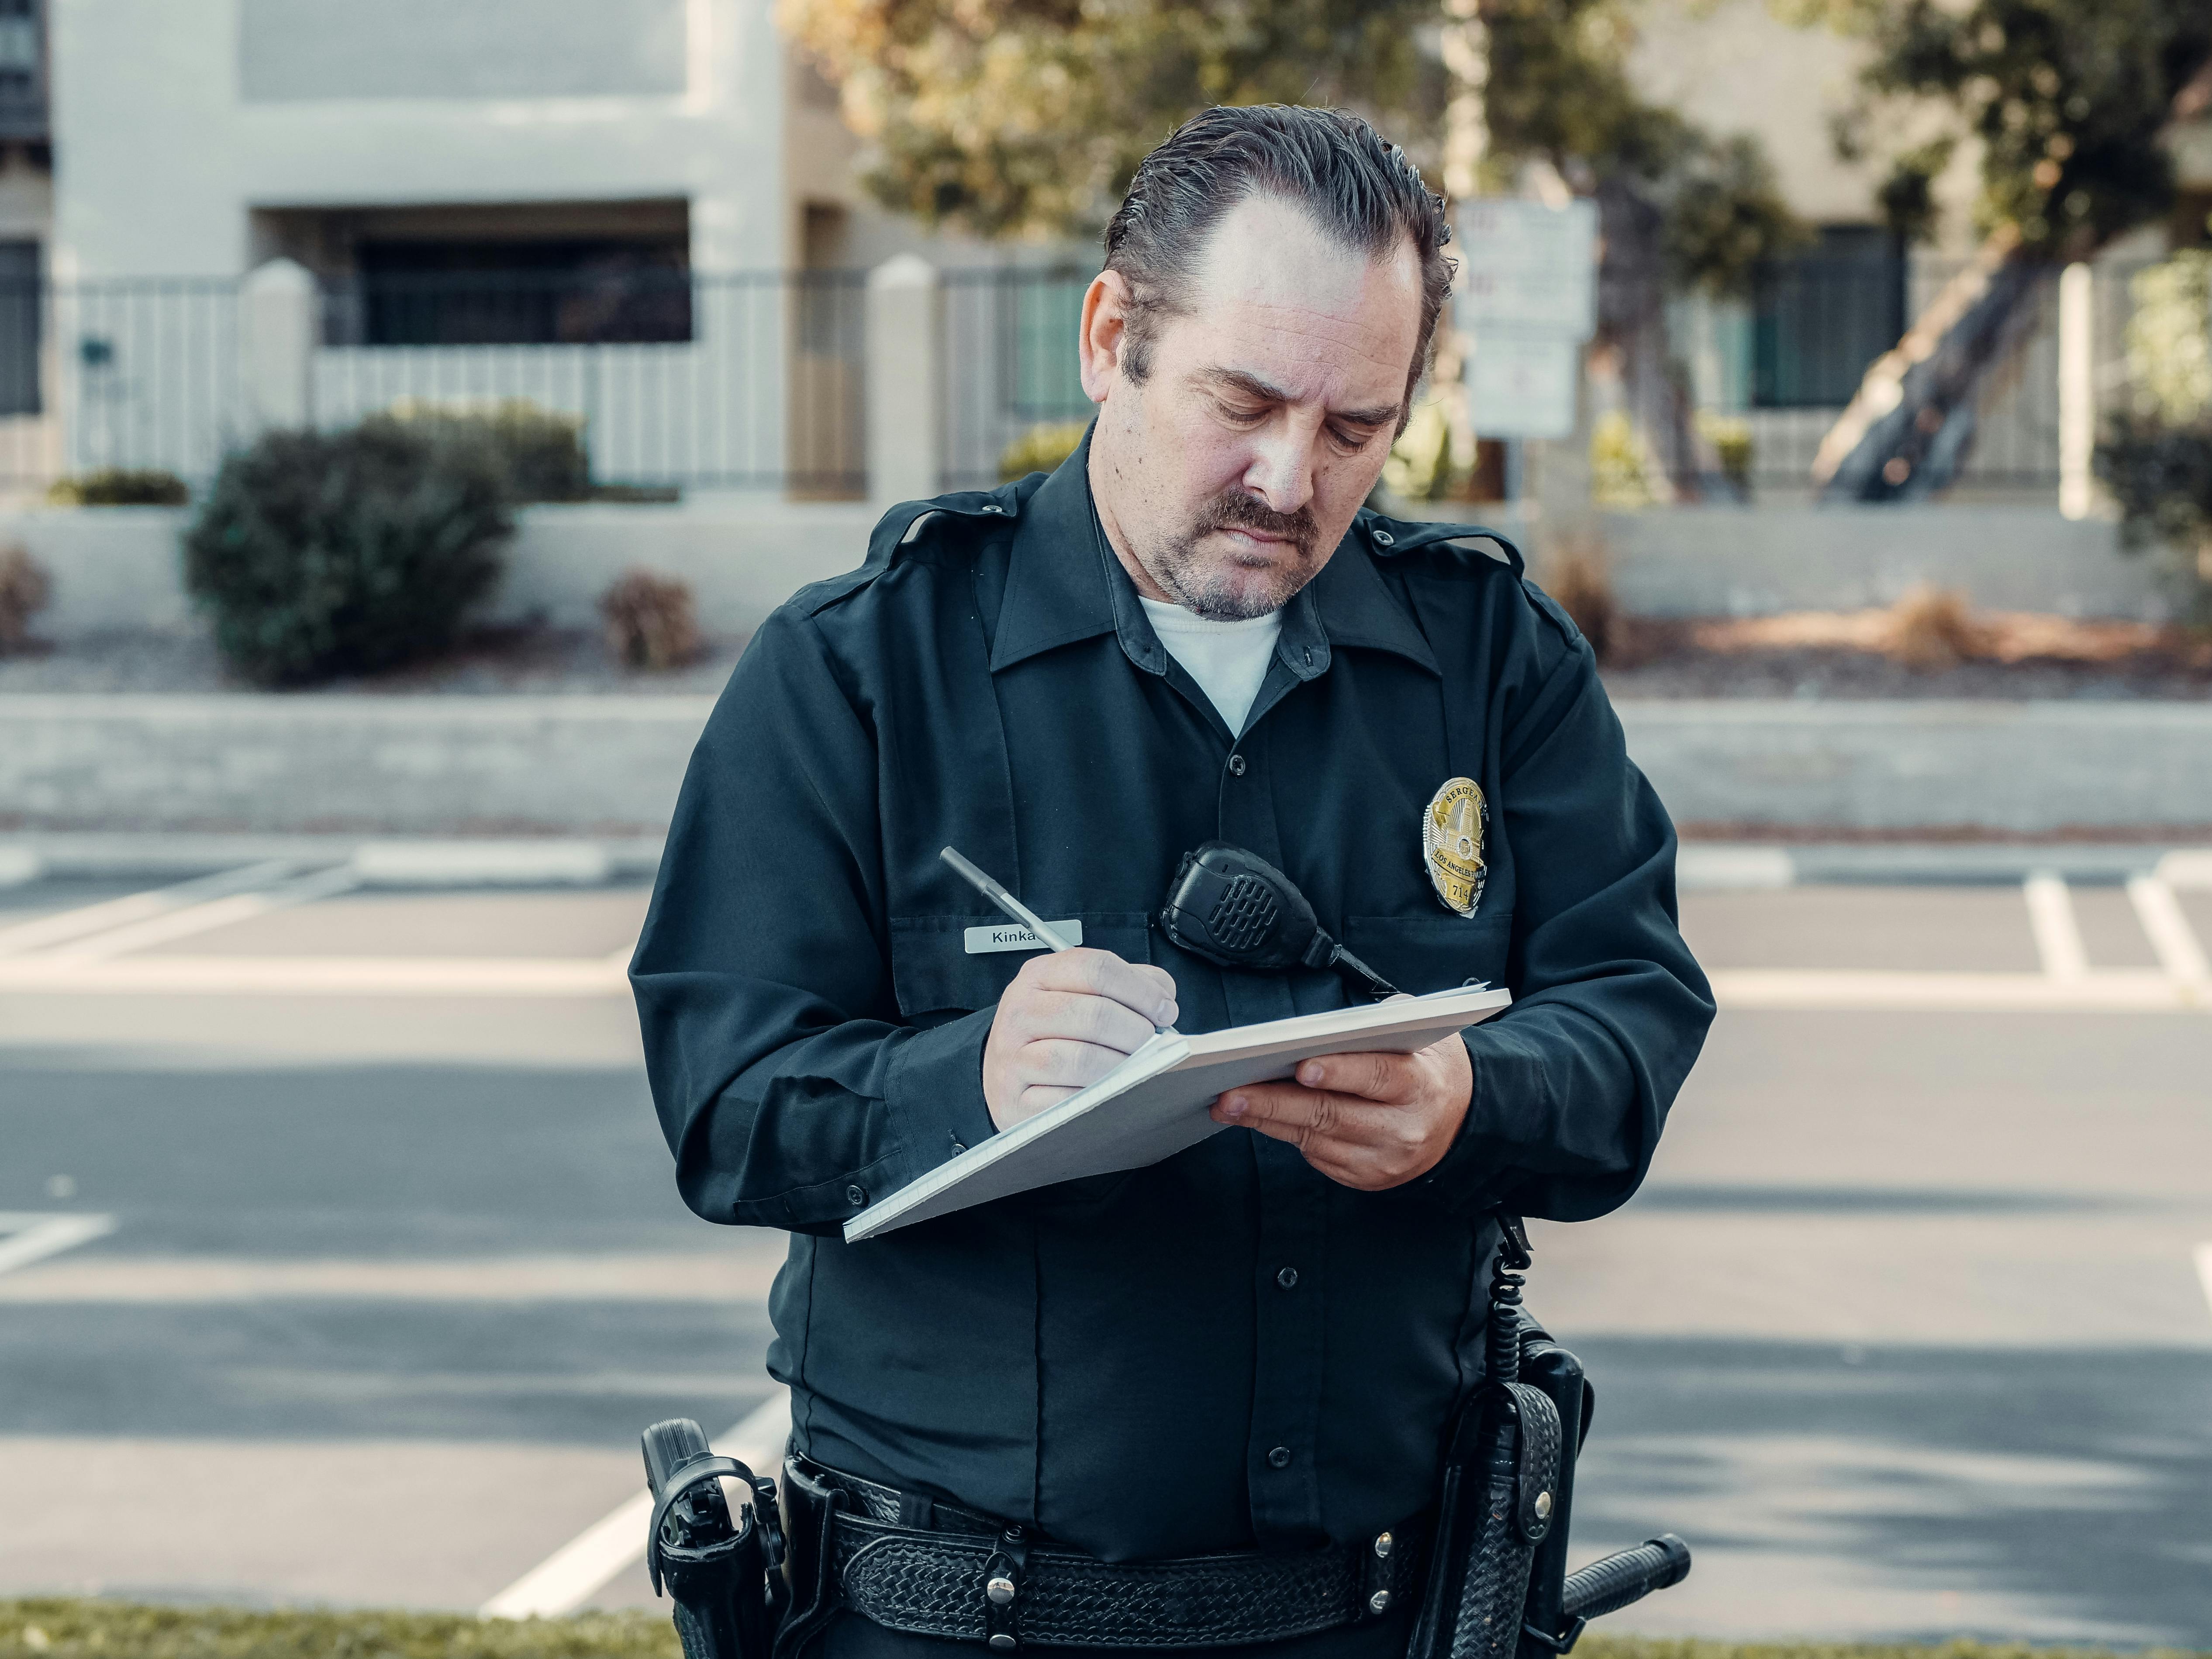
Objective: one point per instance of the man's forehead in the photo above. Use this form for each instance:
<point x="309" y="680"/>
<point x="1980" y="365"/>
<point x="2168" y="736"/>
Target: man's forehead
<point x="1275" y="289"/>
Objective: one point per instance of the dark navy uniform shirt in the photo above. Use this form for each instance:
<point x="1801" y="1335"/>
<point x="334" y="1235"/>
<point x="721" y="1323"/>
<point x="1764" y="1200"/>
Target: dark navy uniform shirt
<point x="1225" y="1349"/>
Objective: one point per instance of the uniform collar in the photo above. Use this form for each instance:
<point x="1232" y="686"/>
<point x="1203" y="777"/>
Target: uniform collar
<point x="1064" y="584"/>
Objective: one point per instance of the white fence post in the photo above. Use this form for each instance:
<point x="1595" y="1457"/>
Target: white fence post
<point x="278" y="327"/>
<point x="904" y="374"/>
<point x="2077" y="390"/>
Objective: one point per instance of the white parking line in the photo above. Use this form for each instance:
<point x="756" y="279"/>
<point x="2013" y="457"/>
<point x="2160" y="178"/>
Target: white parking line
<point x="135" y="907"/>
<point x="569" y="1576"/>
<point x="2057" y="933"/>
<point x="2170" y="937"/>
<point x="206" y="918"/>
<point x="1851" y="990"/>
<point x="32" y="1236"/>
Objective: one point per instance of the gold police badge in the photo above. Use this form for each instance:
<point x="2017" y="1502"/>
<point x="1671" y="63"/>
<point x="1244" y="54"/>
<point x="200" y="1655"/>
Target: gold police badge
<point x="1451" y="841"/>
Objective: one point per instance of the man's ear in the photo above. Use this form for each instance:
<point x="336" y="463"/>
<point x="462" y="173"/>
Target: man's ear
<point x="1105" y="330"/>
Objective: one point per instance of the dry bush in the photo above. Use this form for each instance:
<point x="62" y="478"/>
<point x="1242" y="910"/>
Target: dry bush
<point x="1933" y="627"/>
<point x="1579" y="576"/>
<point x="653" y="621"/>
<point x="24" y="590"/>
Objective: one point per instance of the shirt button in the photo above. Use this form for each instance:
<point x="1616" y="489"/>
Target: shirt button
<point x="856" y="1195"/>
<point x="1237" y="766"/>
<point x="1288" y="1278"/>
<point x="1279" y="1458"/>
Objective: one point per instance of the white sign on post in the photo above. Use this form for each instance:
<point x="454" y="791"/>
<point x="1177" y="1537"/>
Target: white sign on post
<point x="1526" y="266"/>
<point x="1522" y="386"/>
<point x="1527" y="296"/>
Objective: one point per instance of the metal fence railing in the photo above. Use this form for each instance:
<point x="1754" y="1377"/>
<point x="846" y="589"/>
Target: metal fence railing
<point x="752" y="380"/>
<point x="749" y="381"/>
<point x="1010" y="362"/>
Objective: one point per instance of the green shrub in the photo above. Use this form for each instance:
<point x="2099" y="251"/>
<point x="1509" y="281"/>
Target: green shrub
<point x="540" y="451"/>
<point x="1040" y="449"/>
<point x="2169" y="336"/>
<point x="1623" y="472"/>
<point x="324" y="553"/>
<point x="2161" y="476"/>
<point x="1420" y="466"/>
<point x="1733" y="446"/>
<point x="120" y="486"/>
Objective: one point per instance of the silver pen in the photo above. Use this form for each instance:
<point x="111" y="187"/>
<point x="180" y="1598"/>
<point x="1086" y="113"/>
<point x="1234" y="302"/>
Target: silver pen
<point x="1014" y="907"/>
<point x="1005" y="901"/>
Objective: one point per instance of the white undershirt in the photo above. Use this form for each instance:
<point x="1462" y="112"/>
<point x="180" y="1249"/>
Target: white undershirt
<point x="1228" y="659"/>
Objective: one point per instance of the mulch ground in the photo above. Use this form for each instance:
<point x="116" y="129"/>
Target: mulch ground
<point x="1901" y="653"/>
<point x="1904" y="652"/>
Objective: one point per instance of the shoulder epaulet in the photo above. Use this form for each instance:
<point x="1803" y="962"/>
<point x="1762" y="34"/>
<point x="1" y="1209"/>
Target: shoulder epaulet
<point x="1394" y="538"/>
<point x="909" y="524"/>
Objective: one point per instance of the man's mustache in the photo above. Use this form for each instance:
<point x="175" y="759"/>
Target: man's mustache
<point x="1235" y="510"/>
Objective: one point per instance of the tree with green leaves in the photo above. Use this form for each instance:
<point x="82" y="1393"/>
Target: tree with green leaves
<point x="2068" y="100"/>
<point x="1015" y="118"/>
<point x="1026" y="117"/>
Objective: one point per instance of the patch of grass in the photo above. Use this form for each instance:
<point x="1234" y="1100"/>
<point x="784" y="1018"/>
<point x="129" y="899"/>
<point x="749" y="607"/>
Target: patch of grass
<point x="72" y="1629"/>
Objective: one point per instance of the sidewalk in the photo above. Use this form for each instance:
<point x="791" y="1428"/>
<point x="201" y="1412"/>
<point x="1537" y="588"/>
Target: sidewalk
<point x="609" y="766"/>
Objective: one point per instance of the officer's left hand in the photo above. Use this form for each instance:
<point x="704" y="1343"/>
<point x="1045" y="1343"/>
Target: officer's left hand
<point x="1364" y="1121"/>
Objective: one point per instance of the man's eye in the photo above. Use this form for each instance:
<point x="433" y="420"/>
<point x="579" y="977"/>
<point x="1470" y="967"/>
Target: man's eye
<point x="1350" y="439"/>
<point x="1243" y="414"/>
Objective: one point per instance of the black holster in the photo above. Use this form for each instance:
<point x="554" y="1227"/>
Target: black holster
<point x="810" y="1508"/>
<point x="722" y="1570"/>
<point x="1499" y="1557"/>
<point x="1496" y="1586"/>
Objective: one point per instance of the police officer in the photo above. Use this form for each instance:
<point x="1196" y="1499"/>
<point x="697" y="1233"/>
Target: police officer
<point x="1201" y="1404"/>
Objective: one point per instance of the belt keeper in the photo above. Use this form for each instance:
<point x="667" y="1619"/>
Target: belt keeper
<point x="1374" y="1575"/>
<point x="1002" y="1591"/>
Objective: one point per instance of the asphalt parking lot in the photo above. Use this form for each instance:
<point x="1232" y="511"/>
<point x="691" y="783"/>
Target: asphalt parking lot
<point x="337" y="1252"/>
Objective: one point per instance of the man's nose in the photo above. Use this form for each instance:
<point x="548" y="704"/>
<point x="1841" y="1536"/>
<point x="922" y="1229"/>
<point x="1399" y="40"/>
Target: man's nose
<point x="1281" y="470"/>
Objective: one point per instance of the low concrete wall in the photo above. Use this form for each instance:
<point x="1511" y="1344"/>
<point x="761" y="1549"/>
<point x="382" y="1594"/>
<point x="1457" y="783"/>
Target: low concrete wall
<point x="2019" y="767"/>
<point x="611" y="764"/>
<point x="602" y="765"/>
<point x="1754" y="561"/>
<point x="118" y="568"/>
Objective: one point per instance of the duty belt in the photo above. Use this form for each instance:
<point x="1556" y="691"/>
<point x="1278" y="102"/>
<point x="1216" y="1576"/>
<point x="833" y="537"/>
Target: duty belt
<point x="968" y="1577"/>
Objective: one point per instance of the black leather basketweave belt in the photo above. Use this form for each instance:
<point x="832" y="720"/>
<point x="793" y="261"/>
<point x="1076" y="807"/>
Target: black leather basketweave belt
<point x="996" y="1588"/>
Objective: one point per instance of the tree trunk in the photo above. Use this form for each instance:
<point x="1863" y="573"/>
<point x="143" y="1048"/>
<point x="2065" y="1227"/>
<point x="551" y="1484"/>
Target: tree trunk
<point x="1911" y="426"/>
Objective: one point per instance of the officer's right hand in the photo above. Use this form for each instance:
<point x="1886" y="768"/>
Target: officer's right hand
<point x="1068" y="1018"/>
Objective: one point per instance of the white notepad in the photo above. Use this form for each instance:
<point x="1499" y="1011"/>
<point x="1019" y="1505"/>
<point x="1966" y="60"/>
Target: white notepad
<point x="1155" y="1102"/>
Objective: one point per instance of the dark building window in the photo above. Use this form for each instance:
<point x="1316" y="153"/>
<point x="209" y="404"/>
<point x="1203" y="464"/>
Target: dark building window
<point x="23" y="70"/>
<point x="1819" y="318"/>
<point x="22" y="313"/>
<point x="570" y="291"/>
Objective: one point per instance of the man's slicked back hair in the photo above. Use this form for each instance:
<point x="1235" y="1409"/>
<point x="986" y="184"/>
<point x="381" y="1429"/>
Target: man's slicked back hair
<point x="1358" y="188"/>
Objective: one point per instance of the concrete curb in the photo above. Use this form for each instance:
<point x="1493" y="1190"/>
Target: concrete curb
<point x="425" y="863"/>
<point x="1738" y="866"/>
<point x="445" y="862"/>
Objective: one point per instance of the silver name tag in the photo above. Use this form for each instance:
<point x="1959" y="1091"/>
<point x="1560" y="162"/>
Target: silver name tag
<point x="1013" y="936"/>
